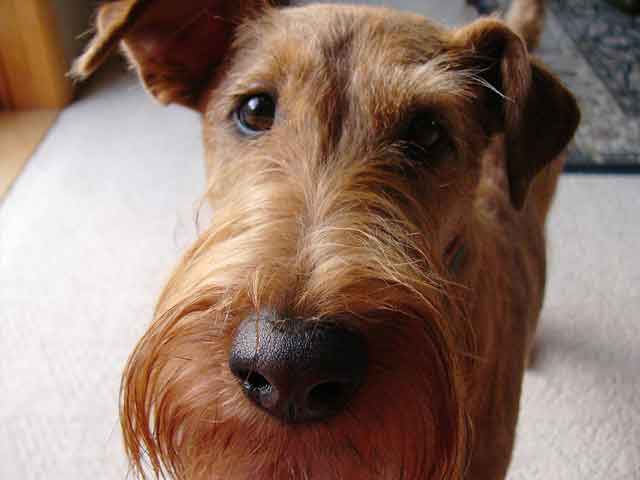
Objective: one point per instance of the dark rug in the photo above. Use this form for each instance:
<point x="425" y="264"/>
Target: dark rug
<point x="595" y="49"/>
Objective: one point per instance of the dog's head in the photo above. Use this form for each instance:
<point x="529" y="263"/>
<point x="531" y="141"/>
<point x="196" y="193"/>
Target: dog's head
<point x="318" y="328"/>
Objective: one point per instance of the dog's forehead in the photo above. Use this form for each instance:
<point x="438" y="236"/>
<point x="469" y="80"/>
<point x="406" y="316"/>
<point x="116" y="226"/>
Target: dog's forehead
<point x="362" y="32"/>
<point x="315" y="37"/>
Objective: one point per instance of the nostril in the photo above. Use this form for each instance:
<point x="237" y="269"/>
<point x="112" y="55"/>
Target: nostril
<point x="328" y="396"/>
<point x="258" y="388"/>
<point x="253" y="380"/>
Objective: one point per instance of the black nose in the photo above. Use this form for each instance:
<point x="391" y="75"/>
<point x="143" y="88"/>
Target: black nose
<point x="298" y="371"/>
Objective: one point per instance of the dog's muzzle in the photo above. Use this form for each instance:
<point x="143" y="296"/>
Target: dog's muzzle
<point x="298" y="371"/>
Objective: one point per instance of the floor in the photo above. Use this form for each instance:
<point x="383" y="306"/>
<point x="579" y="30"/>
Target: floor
<point x="91" y="229"/>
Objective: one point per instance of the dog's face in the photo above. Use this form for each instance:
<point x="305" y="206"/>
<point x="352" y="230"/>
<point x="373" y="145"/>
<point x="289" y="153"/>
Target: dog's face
<point x="344" y="149"/>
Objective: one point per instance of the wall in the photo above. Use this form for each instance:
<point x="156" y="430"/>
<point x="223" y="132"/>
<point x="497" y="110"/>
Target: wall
<point x="74" y="19"/>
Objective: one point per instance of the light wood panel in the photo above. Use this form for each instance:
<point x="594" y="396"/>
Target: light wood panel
<point x="32" y="57"/>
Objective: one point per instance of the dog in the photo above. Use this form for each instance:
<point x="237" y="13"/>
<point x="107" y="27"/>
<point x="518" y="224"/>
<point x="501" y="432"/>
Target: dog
<point x="363" y="303"/>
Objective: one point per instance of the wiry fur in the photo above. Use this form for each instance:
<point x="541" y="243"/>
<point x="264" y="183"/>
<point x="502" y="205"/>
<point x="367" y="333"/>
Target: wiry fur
<point x="326" y="216"/>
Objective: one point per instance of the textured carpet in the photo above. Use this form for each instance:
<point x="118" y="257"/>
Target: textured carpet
<point x="91" y="229"/>
<point x="595" y="50"/>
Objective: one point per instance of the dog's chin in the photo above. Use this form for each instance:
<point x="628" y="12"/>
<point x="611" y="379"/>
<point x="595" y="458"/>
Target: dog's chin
<point x="288" y="459"/>
<point x="316" y="469"/>
<point x="267" y="450"/>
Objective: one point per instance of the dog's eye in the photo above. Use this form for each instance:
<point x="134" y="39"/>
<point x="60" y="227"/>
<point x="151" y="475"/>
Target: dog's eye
<point x="255" y="114"/>
<point x="425" y="132"/>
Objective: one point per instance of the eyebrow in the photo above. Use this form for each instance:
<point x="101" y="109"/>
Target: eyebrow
<point x="437" y="76"/>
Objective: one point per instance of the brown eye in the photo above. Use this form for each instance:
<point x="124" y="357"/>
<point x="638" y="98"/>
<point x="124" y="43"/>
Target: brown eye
<point x="255" y="114"/>
<point x="425" y="132"/>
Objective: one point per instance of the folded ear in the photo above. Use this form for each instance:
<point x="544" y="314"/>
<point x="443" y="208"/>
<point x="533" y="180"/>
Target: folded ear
<point x="537" y="114"/>
<point x="175" y="45"/>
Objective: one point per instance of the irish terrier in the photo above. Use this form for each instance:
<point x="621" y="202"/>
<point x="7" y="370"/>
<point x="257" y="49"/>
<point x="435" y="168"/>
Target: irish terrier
<point x="363" y="303"/>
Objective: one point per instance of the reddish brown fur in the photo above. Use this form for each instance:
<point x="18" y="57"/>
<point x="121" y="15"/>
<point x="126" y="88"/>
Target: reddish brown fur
<point x="325" y="216"/>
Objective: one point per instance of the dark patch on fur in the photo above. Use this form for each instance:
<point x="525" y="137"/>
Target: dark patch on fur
<point x="338" y="63"/>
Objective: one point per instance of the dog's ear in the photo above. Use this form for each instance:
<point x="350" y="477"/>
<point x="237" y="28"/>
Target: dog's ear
<point x="175" y="45"/>
<point x="537" y="114"/>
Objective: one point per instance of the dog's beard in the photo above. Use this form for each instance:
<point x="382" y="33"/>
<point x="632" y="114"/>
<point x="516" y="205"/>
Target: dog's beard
<point x="184" y="412"/>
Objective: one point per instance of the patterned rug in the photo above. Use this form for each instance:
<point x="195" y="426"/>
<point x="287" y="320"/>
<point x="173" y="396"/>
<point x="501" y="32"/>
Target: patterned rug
<point x="595" y="49"/>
